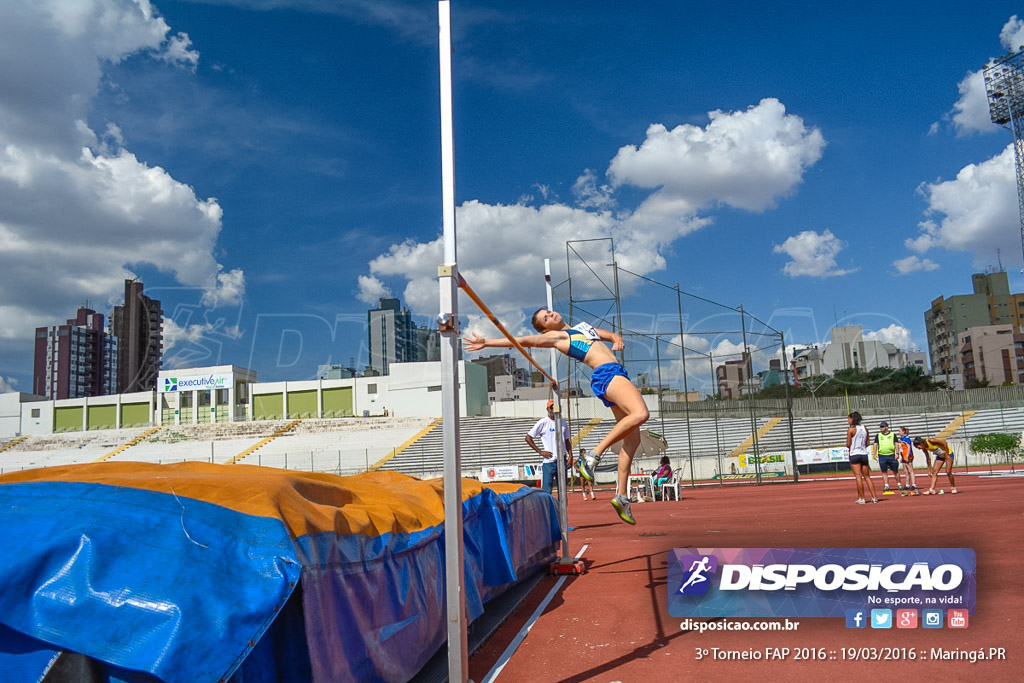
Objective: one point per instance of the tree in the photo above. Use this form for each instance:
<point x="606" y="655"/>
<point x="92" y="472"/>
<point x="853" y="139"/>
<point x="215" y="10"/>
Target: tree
<point x="1007" y="445"/>
<point x="855" y="381"/>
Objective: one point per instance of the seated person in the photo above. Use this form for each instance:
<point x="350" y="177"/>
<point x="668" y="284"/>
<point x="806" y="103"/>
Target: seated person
<point x="661" y="475"/>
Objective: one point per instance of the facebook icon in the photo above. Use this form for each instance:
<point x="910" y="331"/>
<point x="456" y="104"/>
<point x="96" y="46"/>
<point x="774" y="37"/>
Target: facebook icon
<point x="856" y="618"/>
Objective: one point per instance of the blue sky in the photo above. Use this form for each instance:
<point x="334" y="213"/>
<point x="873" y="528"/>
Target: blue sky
<point x="270" y="167"/>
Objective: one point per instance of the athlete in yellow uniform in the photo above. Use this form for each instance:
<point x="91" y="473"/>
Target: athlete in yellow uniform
<point x="943" y="457"/>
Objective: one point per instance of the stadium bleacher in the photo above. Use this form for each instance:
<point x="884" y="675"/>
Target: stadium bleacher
<point x="350" y="445"/>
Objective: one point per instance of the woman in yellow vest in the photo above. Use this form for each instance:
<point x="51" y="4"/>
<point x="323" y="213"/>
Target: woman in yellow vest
<point x="943" y="456"/>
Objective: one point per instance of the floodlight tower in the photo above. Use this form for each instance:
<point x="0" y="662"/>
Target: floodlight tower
<point x="1004" y="83"/>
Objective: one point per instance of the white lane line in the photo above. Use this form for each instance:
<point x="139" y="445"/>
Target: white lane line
<point x="492" y="675"/>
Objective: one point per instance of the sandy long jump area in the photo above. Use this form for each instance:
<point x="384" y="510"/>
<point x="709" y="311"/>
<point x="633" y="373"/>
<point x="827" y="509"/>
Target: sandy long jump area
<point x="612" y="624"/>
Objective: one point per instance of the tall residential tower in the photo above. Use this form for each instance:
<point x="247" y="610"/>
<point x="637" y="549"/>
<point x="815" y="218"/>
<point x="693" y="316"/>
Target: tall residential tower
<point x="76" y="359"/>
<point x="138" y="326"/>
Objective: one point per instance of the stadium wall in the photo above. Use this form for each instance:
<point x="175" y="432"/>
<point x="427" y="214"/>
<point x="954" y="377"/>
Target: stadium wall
<point x="38" y="417"/>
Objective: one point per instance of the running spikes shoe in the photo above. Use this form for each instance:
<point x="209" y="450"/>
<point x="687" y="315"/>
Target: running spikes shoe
<point x="588" y="464"/>
<point x="621" y="505"/>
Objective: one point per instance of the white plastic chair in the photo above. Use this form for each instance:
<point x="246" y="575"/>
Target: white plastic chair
<point x="671" y="485"/>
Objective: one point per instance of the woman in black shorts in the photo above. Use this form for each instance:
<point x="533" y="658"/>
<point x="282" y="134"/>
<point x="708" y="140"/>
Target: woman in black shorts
<point x="857" y="443"/>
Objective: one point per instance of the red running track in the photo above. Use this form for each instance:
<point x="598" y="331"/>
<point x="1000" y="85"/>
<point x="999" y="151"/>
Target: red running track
<point x="612" y="623"/>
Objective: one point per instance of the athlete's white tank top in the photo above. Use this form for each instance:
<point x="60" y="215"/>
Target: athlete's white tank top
<point x="859" y="444"/>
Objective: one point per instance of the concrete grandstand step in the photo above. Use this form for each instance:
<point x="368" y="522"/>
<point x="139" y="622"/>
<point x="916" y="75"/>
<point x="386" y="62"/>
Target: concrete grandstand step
<point x="13" y="442"/>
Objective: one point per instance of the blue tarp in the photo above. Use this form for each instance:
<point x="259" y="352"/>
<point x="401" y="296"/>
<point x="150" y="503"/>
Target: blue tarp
<point x="141" y="572"/>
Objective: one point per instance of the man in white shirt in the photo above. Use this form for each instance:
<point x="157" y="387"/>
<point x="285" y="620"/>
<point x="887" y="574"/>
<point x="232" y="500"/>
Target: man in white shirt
<point x="545" y="431"/>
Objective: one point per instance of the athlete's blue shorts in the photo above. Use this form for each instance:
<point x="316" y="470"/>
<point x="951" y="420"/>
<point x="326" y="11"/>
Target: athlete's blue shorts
<point x="602" y="377"/>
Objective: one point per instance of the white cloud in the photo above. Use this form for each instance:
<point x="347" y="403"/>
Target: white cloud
<point x="1012" y="35"/>
<point x="79" y="204"/>
<point x="746" y="159"/>
<point x="501" y="255"/>
<point x="228" y="290"/>
<point x="175" y="334"/>
<point x="970" y="113"/>
<point x="194" y="344"/>
<point x="590" y="194"/>
<point x="692" y="342"/>
<point x="977" y="212"/>
<point x="727" y="349"/>
<point x="812" y="254"/>
<point x="894" y="334"/>
<point x="913" y="264"/>
<point x="7" y="384"/>
<point x="178" y="51"/>
<point x="371" y="290"/>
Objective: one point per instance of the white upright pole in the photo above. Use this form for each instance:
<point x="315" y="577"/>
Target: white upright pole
<point x="563" y="494"/>
<point x="448" y="325"/>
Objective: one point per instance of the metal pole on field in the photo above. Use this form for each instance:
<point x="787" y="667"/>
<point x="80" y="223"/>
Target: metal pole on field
<point x="686" y="387"/>
<point x="789" y="406"/>
<point x="448" y="326"/>
<point x="618" y="303"/>
<point x="657" y="356"/>
<point x="560" y="455"/>
<point x="748" y="367"/>
<point x="718" y="439"/>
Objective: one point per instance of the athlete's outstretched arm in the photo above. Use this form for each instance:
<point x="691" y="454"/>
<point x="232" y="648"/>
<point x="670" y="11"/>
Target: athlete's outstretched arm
<point x="476" y="342"/>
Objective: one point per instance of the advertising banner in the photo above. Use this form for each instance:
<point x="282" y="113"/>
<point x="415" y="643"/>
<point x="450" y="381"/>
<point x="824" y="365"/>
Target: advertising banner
<point x="499" y="473"/>
<point x="819" y="582"/>
<point x="195" y="383"/>
<point x="806" y="456"/>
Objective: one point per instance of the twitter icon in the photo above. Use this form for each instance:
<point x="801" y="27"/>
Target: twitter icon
<point x="881" y="618"/>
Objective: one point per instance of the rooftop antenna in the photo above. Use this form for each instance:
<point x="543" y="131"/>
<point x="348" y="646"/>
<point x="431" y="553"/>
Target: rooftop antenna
<point x="999" y="259"/>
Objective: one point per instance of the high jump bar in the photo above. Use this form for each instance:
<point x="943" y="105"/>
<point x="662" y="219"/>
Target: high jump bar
<point x="464" y="286"/>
